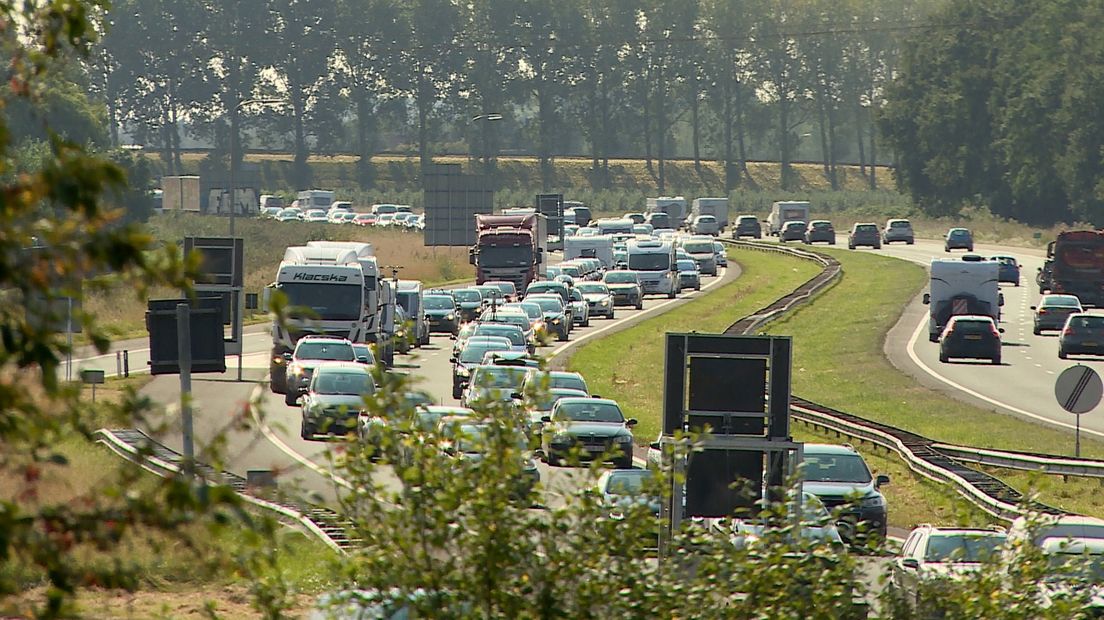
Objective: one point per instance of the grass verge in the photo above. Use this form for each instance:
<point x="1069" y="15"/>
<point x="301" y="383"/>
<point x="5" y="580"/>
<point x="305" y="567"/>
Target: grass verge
<point x="839" y="362"/>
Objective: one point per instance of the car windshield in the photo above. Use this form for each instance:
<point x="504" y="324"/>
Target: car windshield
<point x="467" y="295"/>
<point x="509" y="318"/>
<point x="836" y="468"/>
<point x="512" y="333"/>
<point x="349" y="383"/>
<point x="718" y="247"/>
<point x="548" y="305"/>
<point x="326" y="351"/>
<point x="620" y="277"/>
<point x="567" y="381"/>
<point x="325" y="301"/>
<point x="506" y="288"/>
<point x="589" y="411"/>
<point x="365" y="351"/>
<point x="628" y="482"/>
<point x="499" y="377"/>
<point x="591" y="289"/>
<point x="649" y="262"/>
<point x="542" y="287"/>
<point x="570" y="270"/>
<point x="1061" y="301"/>
<point x="1087" y="322"/>
<point x="473" y="353"/>
<point x="962" y="547"/>
<point x="698" y="247"/>
<point x="546" y="401"/>
<point x="1005" y="260"/>
<point x="795" y="225"/>
<point x="687" y="265"/>
<point x="1069" y="530"/>
<point x="822" y="225"/>
<point x="531" y="310"/>
<point x="505" y="255"/>
<point x="438" y="302"/>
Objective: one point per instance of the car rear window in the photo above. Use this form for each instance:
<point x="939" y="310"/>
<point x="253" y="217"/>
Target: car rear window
<point x="1061" y="302"/>
<point x="822" y="224"/>
<point x="972" y="327"/>
<point x="899" y="224"/>
<point x="866" y="228"/>
<point x="1087" y="322"/>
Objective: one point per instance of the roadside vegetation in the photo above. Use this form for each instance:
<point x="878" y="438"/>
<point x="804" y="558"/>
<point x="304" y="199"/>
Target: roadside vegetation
<point x="839" y="362"/>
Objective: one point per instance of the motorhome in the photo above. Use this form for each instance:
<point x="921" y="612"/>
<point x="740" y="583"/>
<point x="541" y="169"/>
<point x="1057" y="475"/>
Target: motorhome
<point x="966" y="286"/>
<point x="654" y="262"/>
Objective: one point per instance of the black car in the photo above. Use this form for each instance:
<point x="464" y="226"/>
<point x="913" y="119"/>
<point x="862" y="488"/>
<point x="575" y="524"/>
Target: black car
<point x="335" y="398"/>
<point x="441" y="314"/>
<point x="469" y="303"/>
<point x="839" y="477"/>
<point x="557" y="318"/>
<point x="625" y="288"/>
<point x="820" y="230"/>
<point x="470" y="357"/>
<point x="864" y="235"/>
<point x="595" y="426"/>
<point x="1083" y="334"/>
<point x="792" y="231"/>
<point x="958" y="239"/>
<point x="970" y="336"/>
<point x="747" y="226"/>
<point x="1053" y="310"/>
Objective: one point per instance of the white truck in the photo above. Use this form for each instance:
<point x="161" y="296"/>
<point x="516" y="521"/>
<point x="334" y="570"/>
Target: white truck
<point x="787" y="211"/>
<point x="598" y="246"/>
<point x="379" y="293"/>
<point x="315" y="199"/>
<point x="654" y="262"/>
<point x="717" y="207"/>
<point x="614" y="227"/>
<point x="674" y="206"/>
<point x="967" y="286"/>
<point x="409" y="296"/>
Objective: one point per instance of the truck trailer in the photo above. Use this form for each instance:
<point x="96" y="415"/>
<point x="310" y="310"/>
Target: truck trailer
<point x="717" y="207"/>
<point x="1075" y="266"/>
<point x="967" y="286"/>
<point x="787" y="211"/>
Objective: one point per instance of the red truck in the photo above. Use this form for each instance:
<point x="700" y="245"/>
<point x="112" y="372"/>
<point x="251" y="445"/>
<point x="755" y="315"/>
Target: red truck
<point x="1075" y="266"/>
<point x="510" y="247"/>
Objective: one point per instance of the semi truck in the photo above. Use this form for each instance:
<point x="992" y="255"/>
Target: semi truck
<point x="674" y="206"/>
<point x="654" y="262"/>
<point x="597" y="246"/>
<point x="717" y="207"/>
<point x="379" y="292"/>
<point x="787" y="211"/>
<point x="509" y="247"/>
<point x="966" y="286"/>
<point x="409" y="296"/>
<point x="1075" y="266"/>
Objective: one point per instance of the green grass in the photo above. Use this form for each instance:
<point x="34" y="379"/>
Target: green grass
<point x="628" y="366"/>
<point x="839" y="362"/>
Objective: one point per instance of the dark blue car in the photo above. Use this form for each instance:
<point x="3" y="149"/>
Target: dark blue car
<point x="1009" y="269"/>
<point x="958" y="239"/>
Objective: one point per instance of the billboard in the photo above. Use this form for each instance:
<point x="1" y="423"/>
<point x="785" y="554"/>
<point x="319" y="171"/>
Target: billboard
<point x="452" y="200"/>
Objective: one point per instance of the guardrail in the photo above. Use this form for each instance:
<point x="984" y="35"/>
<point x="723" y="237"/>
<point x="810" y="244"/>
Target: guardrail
<point x="1025" y="461"/>
<point x="919" y="453"/>
<point x="142" y="450"/>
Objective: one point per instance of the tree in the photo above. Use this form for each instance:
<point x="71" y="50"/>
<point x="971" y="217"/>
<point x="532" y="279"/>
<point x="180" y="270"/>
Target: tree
<point x="430" y="62"/>
<point x="728" y="68"/>
<point x="779" y="65"/>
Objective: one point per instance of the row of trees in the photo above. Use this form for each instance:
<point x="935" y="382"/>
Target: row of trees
<point x="622" y="77"/>
<point x="1002" y="109"/>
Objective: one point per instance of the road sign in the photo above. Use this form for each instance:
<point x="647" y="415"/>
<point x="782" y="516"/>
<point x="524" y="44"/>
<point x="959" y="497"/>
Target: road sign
<point x="1078" y="389"/>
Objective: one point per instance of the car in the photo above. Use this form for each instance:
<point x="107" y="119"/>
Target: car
<point x="974" y="336"/>
<point x="898" y="230"/>
<point x="383" y="220"/>
<point x="864" y="234"/>
<point x="643" y="229"/>
<point x="820" y="230"/>
<point x="556" y="379"/>
<point x="289" y="215"/>
<point x="510" y="358"/>
<point x="470" y="356"/>
<point x="840" y="478"/>
<point x="513" y="333"/>
<point x="551" y="271"/>
<point x="492" y="295"/>
<point x="557" y="318"/>
<point x="625" y="288"/>
<point x="508" y="290"/>
<point x="792" y="231"/>
<point x="364" y="354"/>
<point x="534" y="313"/>
<point x="637" y="218"/>
<point x="364" y="219"/>
<point x="720" y="254"/>
<point x="570" y="269"/>
<point x="1036" y="529"/>
<point x="931" y="553"/>
<point x="470" y="441"/>
<point x="1083" y="334"/>
<point x="815" y="525"/>
<point x="1053" y="310"/>
<point x="700" y="248"/>
<point x="493" y="383"/>
<point x="441" y="314"/>
<point x="747" y="226"/>
<point x="569" y="230"/>
<point x="515" y="317"/>
<point x="620" y="490"/>
<point x="580" y="309"/>
<point x="334" y="400"/>
<point x="689" y="276"/>
<point x="1076" y="572"/>
<point x="269" y="213"/>
<point x="596" y="426"/>
<point x="598" y="297"/>
<point x="541" y="405"/>
<point x="658" y="220"/>
<point x="548" y="286"/>
<point x="316" y="215"/>
<point x="1008" y="270"/>
<point x="469" y="303"/>
<point x="705" y="225"/>
<point x="461" y="338"/>
<point x="309" y="353"/>
<point x="958" y="239"/>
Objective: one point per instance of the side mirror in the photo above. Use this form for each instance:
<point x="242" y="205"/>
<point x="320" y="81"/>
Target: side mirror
<point x="927" y="298"/>
<point x="547" y="419"/>
<point x="630" y="422"/>
<point x="1000" y="299"/>
<point x="471" y="258"/>
<point x="362" y="359"/>
<point x="452" y="360"/>
<point x="910" y="563"/>
<point x="1000" y="330"/>
<point x="287" y="356"/>
<point x="517" y="395"/>
<point x="654" y="445"/>
<point x="881" y="480"/>
<point x="1034" y="308"/>
<point x="1040" y="270"/>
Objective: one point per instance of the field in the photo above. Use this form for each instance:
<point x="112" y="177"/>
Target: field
<point x="265" y="240"/>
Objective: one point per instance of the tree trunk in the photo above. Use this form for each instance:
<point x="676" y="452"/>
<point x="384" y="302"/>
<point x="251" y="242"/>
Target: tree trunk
<point x="741" y="146"/>
<point x="860" y="138"/>
<point x="661" y="131"/>
<point x="784" y="155"/>
<point x="646" y="121"/>
<point x="424" y="101"/>
<point x="299" y="165"/>
<point x="605" y="132"/>
<point x="364" y="138"/>
<point x="873" y="156"/>
<point x="822" y="125"/>
<point x="730" y="171"/>
<point x="544" y="132"/>
<point x="695" y="126"/>
<point x="833" y="165"/>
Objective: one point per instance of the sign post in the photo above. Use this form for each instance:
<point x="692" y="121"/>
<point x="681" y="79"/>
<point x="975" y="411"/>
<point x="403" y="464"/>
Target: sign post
<point x="1078" y="390"/>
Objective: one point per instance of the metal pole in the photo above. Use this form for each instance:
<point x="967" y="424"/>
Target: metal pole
<point x="118" y="363"/>
<point x="233" y="210"/>
<point x="1077" y="445"/>
<point x="239" y="332"/>
<point x="69" y="338"/>
<point x="126" y="363"/>
<point x="184" y="353"/>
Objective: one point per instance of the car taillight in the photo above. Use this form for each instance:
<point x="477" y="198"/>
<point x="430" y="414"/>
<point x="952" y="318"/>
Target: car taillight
<point x="1068" y="331"/>
<point x="1042" y="311"/>
<point x="993" y="330"/>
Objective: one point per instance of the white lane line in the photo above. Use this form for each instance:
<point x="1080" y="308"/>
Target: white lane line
<point x="921" y="327"/>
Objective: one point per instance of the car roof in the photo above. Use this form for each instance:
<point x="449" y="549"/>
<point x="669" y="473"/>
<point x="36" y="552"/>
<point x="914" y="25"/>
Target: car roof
<point x="448" y="410"/>
<point x="968" y="531"/>
<point x="587" y="399"/>
<point x="828" y="448"/>
<point x="341" y="367"/>
<point x="966" y="318"/>
<point x="959" y="230"/>
<point x="1047" y="298"/>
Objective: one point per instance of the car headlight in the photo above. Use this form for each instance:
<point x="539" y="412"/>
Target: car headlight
<point x="450" y="317"/>
<point x="873" y="501"/>
<point x="623" y="439"/>
<point x="605" y="302"/>
<point x="295" y="370"/>
<point x="562" y="438"/>
<point x="463" y="372"/>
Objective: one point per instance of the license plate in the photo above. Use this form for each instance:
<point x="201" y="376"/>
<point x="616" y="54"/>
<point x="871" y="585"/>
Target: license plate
<point x="973" y="337"/>
<point x="595" y="447"/>
<point x="1088" y="344"/>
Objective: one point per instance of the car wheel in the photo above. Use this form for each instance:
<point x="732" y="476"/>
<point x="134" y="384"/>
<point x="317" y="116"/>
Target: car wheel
<point x="832" y="242"/>
<point x="1062" y="354"/>
<point x="585" y="323"/>
<point x="697" y="288"/>
<point x="305" y="431"/>
<point x="943" y="357"/>
<point x="878" y="247"/>
<point x="291" y="399"/>
<point x="970" y="249"/>
<point x="457" y="393"/>
<point x="562" y="337"/>
<point x="996" y="360"/>
<point x="947" y="250"/>
<point x="1016" y="283"/>
<point x="850" y="246"/>
<point x="909" y="242"/>
<point x="671" y="295"/>
<point x="640" y="305"/>
<point x="1035" y="330"/>
<point x="278" y="381"/>
<point x="611" y="315"/>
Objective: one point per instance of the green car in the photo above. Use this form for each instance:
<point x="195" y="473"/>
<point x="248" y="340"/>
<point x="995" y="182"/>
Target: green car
<point x="595" y="426"/>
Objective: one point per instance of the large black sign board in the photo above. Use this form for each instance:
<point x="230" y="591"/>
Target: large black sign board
<point x="208" y="347"/>
<point x="551" y="206"/>
<point x="222" y="259"/>
<point x="452" y="200"/>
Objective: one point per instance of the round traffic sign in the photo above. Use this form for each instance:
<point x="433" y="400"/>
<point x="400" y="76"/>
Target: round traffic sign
<point x="1078" y="389"/>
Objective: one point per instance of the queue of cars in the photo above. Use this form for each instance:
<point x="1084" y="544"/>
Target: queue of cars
<point x="399" y="217"/>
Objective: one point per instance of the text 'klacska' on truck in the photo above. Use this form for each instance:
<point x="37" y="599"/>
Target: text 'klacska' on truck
<point x="332" y="289"/>
<point x="967" y="286"/>
<point x="509" y="247"/>
<point x="1075" y="266"/>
